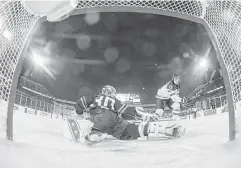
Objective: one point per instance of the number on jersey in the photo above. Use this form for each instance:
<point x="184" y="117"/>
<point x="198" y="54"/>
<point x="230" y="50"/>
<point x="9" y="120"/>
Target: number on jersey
<point x="105" y="102"/>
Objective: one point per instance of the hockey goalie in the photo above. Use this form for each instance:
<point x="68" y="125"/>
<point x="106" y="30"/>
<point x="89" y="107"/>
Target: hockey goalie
<point x="101" y="114"/>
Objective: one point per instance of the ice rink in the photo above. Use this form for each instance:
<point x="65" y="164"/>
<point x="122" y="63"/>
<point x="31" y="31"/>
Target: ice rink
<point x="38" y="142"/>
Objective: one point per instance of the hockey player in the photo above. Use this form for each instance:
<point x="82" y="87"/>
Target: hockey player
<point x="168" y="97"/>
<point x="104" y="112"/>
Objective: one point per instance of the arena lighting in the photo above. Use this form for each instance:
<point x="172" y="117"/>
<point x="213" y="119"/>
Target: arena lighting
<point x="203" y="64"/>
<point x="201" y="67"/>
<point x="38" y="59"/>
<point x="42" y="62"/>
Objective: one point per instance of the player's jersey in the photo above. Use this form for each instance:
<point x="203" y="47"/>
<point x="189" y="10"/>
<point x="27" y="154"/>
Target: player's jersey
<point x="83" y="103"/>
<point x="99" y="102"/>
<point x="109" y="103"/>
<point x="168" y="90"/>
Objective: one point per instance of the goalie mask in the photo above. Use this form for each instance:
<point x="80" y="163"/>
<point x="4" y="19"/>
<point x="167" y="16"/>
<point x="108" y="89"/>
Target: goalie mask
<point x="109" y="91"/>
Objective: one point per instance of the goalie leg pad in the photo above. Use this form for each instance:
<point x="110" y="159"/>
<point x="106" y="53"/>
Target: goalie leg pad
<point x="159" y="129"/>
<point x="77" y="130"/>
<point x="155" y="129"/>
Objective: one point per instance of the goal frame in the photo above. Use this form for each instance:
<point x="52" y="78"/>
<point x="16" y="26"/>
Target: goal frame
<point x="9" y="133"/>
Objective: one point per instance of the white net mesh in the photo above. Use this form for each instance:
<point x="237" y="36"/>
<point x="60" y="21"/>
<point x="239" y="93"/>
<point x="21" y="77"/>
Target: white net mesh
<point x="223" y="18"/>
<point x="15" y="24"/>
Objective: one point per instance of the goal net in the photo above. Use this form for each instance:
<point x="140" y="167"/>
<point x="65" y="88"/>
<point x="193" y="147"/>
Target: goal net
<point x="222" y="17"/>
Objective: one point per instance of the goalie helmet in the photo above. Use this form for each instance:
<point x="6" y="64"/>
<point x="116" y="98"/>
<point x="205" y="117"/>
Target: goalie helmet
<point x="109" y="91"/>
<point x="175" y="75"/>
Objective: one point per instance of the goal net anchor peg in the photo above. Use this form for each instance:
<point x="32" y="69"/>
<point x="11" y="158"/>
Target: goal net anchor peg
<point x="54" y="10"/>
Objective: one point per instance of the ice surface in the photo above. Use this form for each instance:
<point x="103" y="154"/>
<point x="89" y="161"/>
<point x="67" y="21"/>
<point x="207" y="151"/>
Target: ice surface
<point x="38" y="142"/>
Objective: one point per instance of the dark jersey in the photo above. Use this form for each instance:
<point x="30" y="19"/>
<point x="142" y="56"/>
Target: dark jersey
<point x="100" y="101"/>
<point x="83" y="103"/>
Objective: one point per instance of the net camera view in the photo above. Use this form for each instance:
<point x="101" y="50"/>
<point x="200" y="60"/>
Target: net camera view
<point x="120" y="88"/>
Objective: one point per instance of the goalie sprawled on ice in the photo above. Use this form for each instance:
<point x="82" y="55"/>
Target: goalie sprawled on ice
<point x="102" y="114"/>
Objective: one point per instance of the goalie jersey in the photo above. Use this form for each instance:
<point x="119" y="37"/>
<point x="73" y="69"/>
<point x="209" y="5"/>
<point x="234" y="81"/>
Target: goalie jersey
<point x="96" y="102"/>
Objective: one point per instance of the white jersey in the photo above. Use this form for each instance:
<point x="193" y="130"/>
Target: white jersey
<point x="168" y="91"/>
